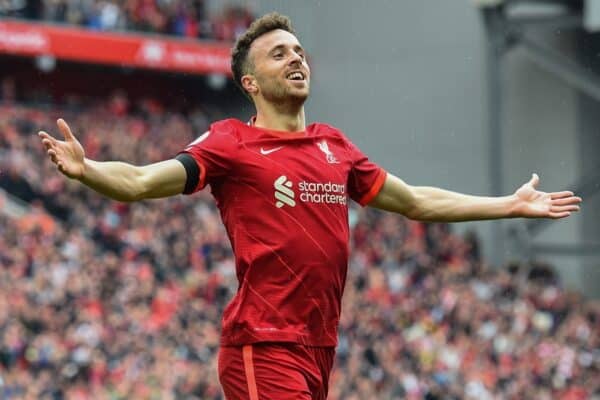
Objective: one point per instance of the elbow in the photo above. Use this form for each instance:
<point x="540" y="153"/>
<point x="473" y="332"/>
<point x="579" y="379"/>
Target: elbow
<point x="130" y="199"/>
<point x="409" y="209"/>
<point x="416" y="213"/>
<point x="411" y="214"/>
<point x="138" y="189"/>
<point x="416" y="208"/>
<point x="135" y="196"/>
<point x="134" y="191"/>
<point x="126" y="197"/>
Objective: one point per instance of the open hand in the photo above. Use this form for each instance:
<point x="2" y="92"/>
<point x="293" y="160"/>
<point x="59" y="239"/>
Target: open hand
<point x="68" y="155"/>
<point x="532" y="203"/>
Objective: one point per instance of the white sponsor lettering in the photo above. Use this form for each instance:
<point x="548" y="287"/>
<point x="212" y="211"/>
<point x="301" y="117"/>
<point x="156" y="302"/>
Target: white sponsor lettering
<point x="152" y="52"/>
<point x="321" y="187"/>
<point x="322" y="198"/>
<point x="29" y="41"/>
<point x="193" y="59"/>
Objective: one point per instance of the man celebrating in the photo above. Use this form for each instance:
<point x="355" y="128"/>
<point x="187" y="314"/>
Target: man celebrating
<point x="282" y="189"/>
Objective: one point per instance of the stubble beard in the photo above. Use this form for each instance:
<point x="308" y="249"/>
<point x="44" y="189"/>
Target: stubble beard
<point x="284" y="97"/>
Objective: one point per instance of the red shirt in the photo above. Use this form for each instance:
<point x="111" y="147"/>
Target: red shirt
<point x="283" y="198"/>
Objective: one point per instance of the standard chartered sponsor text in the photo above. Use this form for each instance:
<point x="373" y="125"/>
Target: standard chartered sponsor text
<point x="317" y="192"/>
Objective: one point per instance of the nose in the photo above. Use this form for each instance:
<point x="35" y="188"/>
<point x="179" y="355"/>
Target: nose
<point x="295" y="58"/>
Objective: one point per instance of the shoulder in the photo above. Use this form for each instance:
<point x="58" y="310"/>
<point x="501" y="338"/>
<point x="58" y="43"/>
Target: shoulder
<point x="330" y="133"/>
<point x="227" y="130"/>
<point x="319" y="128"/>
<point x="220" y="133"/>
<point x="226" y="126"/>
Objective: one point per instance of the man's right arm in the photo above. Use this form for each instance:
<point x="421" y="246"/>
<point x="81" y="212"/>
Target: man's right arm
<point x="117" y="180"/>
<point x="125" y="182"/>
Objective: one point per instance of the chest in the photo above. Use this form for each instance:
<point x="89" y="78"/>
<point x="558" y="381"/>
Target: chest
<point x="304" y="158"/>
<point x="293" y="172"/>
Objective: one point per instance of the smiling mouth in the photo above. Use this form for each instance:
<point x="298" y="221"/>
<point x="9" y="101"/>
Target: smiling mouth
<point x="296" y="76"/>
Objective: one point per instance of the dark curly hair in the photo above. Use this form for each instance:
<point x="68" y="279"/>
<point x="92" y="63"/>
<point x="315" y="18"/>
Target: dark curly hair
<point x="240" y="65"/>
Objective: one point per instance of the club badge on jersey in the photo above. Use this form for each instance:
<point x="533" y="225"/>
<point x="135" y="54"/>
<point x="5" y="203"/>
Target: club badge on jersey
<point x="324" y="147"/>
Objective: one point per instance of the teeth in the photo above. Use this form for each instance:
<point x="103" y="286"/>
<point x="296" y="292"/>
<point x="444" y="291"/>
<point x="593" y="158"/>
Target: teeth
<point x="296" y="75"/>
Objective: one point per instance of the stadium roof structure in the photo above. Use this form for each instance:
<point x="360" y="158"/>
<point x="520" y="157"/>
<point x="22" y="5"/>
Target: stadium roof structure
<point x="517" y="23"/>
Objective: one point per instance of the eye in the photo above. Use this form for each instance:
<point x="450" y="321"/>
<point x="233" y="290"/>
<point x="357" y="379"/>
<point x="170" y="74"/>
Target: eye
<point x="278" y="56"/>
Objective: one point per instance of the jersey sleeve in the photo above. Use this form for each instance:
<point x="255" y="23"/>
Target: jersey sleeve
<point x="365" y="179"/>
<point x="208" y="159"/>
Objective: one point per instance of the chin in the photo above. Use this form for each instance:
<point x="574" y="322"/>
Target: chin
<point x="298" y="98"/>
<point x="287" y="95"/>
<point x="299" y="93"/>
<point x="303" y="94"/>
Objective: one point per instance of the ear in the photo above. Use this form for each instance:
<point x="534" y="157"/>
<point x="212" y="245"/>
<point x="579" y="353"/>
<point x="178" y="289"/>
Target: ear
<point x="249" y="84"/>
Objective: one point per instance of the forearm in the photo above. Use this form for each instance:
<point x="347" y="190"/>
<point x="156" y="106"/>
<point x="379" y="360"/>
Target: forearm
<point x="439" y="205"/>
<point x="117" y="180"/>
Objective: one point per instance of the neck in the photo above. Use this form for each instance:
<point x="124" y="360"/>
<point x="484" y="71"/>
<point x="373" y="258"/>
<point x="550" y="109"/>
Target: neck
<point x="280" y="118"/>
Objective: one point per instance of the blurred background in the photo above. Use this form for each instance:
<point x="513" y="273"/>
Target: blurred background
<point x="104" y="300"/>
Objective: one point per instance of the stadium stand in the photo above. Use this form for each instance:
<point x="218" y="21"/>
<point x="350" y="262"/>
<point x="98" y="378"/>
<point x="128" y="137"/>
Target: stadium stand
<point x="104" y="300"/>
<point x="180" y="18"/>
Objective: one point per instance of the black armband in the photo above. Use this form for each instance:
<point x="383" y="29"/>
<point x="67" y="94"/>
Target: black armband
<point x="192" y="170"/>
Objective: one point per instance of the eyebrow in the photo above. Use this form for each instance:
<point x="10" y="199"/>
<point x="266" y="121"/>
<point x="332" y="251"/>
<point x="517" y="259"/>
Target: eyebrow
<point x="282" y="46"/>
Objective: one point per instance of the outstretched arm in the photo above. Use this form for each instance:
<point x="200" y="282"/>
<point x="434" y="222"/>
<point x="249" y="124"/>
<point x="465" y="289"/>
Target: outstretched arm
<point x="437" y="205"/>
<point x="114" y="179"/>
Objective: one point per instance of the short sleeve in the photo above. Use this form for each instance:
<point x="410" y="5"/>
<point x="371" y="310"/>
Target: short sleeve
<point x="212" y="153"/>
<point x="365" y="178"/>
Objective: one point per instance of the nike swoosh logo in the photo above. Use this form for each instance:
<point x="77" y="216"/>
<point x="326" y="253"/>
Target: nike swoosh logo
<point x="265" y="152"/>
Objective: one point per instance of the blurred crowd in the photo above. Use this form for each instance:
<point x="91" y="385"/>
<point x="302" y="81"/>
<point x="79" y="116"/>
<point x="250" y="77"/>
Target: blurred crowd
<point x="187" y="18"/>
<point x="105" y="300"/>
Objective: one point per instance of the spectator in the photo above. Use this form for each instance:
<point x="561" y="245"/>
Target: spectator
<point x="172" y="17"/>
<point x="122" y="301"/>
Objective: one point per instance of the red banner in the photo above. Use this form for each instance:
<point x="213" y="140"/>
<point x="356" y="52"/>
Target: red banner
<point x="130" y="50"/>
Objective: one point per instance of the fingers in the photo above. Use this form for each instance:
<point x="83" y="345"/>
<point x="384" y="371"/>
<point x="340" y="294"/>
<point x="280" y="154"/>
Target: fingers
<point x="563" y="204"/>
<point x="64" y="129"/>
<point x="52" y="144"/>
<point x="559" y="215"/>
<point x="52" y="155"/>
<point x="47" y="139"/>
<point x="61" y="167"/>
<point x="566" y="201"/>
<point x="560" y="195"/>
<point x="561" y="209"/>
<point x="48" y="144"/>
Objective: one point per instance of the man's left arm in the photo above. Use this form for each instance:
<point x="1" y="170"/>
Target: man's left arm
<point x="438" y="205"/>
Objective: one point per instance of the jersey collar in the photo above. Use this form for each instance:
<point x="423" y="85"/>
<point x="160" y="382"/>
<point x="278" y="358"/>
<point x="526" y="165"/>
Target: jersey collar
<point x="283" y="134"/>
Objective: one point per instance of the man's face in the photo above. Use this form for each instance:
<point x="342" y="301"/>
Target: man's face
<point x="280" y="70"/>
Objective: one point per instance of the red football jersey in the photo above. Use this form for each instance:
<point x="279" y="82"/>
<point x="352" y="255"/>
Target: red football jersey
<point x="283" y="198"/>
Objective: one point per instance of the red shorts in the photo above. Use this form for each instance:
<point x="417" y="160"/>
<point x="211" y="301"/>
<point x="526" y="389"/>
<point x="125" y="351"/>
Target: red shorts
<point x="275" y="371"/>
